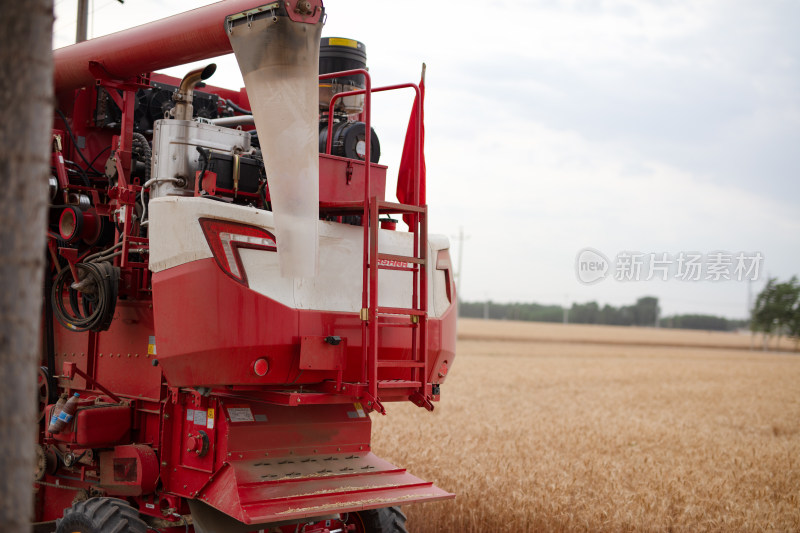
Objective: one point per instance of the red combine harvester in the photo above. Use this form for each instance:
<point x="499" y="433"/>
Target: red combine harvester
<point x="226" y="292"/>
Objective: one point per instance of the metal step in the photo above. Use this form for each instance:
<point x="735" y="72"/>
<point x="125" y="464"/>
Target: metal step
<point x="398" y="384"/>
<point x="258" y="491"/>
<point x="357" y="207"/>
<point x="383" y="324"/>
<point x="400" y="364"/>
<point x="401" y="311"/>
<point x="400" y="259"/>
<point x="395" y="208"/>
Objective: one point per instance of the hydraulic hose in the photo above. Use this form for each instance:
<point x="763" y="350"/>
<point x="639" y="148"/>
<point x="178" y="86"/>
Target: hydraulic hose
<point x="238" y="109"/>
<point x="98" y="288"/>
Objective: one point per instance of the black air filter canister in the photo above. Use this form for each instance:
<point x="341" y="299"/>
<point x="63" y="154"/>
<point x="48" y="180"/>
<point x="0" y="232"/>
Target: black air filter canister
<point x="337" y="54"/>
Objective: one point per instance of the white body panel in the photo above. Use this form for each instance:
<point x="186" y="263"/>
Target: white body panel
<point x="177" y="238"/>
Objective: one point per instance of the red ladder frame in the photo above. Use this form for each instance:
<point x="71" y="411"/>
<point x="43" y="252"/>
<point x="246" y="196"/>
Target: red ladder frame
<point x="371" y="312"/>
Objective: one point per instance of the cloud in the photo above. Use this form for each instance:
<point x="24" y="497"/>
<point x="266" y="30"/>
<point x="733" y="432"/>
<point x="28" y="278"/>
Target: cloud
<point x="544" y="194"/>
<point x="616" y="124"/>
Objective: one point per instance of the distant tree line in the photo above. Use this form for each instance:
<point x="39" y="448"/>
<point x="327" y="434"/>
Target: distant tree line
<point x="511" y="311"/>
<point x="645" y="312"/>
<point x="705" y="322"/>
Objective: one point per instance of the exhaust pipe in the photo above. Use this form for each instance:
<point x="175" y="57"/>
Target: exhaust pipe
<point x="184" y="109"/>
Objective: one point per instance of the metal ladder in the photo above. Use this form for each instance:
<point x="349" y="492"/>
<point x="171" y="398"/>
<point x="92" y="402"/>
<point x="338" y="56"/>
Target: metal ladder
<point x="377" y="315"/>
<point x="371" y="311"/>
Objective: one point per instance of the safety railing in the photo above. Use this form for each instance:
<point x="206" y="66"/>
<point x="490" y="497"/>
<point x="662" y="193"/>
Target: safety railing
<point x="372" y="208"/>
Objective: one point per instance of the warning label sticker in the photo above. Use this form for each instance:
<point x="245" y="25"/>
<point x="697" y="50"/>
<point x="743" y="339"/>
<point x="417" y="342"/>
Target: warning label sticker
<point x="240" y="414"/>
<point x="151" y="345"/>
<point x="359" y="410"/>
<point x="210" y="423"/>
<point x="200" y="417"/>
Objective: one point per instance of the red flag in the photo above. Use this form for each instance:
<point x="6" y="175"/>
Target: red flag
<point x="405" y="175"/>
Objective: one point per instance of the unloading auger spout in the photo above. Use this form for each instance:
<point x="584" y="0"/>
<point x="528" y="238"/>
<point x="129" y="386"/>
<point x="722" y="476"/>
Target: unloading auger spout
<point x="278" y="54"/>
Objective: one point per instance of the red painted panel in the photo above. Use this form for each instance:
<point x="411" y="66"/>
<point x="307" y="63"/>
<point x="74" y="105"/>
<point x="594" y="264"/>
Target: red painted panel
<point x="317" y="354"/>
<point x="442" y="333"/>
<point x="342" y="179"/>
<point x="98" y="425"/>
<point x="292" y="431"/>
<point x="123" y="362"/>
<point x="210" y="330"/>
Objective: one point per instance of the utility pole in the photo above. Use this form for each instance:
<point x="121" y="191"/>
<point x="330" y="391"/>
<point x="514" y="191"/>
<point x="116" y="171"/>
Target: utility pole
<point x="750" y="311"/>
<point x="83" y="20"/>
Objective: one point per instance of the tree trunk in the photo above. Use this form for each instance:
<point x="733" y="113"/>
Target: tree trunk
<point x="26" y="96"/>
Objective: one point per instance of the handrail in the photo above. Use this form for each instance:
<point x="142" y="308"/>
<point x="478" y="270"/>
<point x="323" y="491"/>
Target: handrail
<point x="368" y="119"/>
<point x="365" y="219"/>
<point x="369" y="299"/>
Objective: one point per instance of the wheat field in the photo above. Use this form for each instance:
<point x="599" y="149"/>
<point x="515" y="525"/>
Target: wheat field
<point x="585" y="428"/>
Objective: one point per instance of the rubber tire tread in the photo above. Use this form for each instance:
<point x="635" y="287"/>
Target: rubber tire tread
<point x="101" y="515"/>
<point x="384" y="520"/>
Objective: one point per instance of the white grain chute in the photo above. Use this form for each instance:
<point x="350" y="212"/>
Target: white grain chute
<point x="278" y="55"/>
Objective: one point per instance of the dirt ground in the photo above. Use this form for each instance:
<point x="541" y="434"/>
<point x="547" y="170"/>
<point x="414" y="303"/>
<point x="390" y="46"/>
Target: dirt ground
<point x="548" y="427"/>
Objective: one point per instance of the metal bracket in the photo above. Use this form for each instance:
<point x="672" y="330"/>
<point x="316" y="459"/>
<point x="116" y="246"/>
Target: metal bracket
<point x="374" y="404"/>
<point x="420" y="400"/>
<point x="250" y="15"/>
<point x="70" y="369"/>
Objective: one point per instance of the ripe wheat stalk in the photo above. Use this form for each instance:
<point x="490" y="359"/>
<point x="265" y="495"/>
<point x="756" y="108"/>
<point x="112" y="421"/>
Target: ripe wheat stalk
<point x="541" y="433"/>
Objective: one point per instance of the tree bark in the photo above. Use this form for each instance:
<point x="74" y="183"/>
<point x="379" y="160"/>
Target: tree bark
<point x="26" y="96"/>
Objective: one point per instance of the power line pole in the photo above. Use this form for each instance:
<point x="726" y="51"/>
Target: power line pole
<point x="83" y="20"/>
<point x="750" y="311"/>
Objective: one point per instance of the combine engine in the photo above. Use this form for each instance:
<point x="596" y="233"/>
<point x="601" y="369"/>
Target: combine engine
<point x="228" y="298"/>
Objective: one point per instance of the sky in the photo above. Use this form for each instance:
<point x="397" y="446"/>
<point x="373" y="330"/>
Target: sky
<point x="632" y="128"/>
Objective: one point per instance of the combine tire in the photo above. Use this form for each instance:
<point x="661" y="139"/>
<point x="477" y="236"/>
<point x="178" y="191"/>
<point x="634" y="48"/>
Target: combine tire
<point x="101" y="515"/>
<point x="384" y="520"/>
